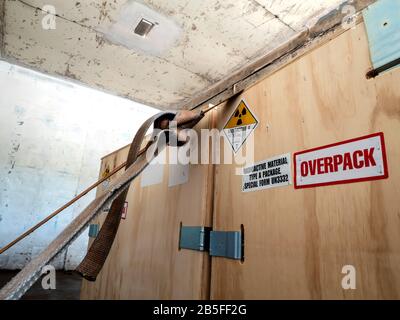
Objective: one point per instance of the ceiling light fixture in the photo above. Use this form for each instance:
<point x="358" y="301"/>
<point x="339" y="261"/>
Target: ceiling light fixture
<point x="144" y="27"/>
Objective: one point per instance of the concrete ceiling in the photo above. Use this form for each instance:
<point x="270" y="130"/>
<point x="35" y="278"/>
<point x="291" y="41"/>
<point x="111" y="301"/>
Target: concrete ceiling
<point x="195" y="43"/>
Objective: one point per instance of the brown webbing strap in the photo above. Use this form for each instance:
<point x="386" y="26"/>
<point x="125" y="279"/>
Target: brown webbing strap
<point x="94" y="260"/>
<point x="92" y="264"/>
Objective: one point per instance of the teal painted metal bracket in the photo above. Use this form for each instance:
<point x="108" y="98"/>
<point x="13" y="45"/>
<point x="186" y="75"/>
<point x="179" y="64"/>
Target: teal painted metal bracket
<point x="93" y="230"/>
<point x="227" y="244"/>
<point x="382" y="21"/>
<point x="195" y="238"/>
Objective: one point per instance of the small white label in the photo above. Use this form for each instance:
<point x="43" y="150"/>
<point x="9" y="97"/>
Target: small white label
<point x="154" y="173"/>
<point x="178" y="174"/>
<point x="270" y="173"/>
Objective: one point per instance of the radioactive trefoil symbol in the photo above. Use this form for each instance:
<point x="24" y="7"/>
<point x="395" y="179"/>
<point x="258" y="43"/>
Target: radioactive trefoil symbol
<point x="239" y="115"/>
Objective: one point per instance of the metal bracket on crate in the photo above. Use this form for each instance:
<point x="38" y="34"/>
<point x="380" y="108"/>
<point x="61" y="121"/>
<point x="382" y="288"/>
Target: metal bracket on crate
<point x="194" y="238"/>
<point x="227" y="244"/>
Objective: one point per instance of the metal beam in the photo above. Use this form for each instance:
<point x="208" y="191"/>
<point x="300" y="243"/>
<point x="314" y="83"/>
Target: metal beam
<point x="319" y="31"/>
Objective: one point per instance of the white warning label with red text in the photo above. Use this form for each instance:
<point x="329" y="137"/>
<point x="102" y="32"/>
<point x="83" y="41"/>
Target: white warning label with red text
<point x="354" y="160"/>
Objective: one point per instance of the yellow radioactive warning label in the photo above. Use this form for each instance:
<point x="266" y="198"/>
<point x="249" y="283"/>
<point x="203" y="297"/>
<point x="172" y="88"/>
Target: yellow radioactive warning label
<point x="241" y="117"/>
<point x="240" y="125"/>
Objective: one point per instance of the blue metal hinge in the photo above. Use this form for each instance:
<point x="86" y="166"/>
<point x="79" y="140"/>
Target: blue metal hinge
<point x="227" y="244"/>
<point x="194" y="238"/>
<point x="93" y="230"/>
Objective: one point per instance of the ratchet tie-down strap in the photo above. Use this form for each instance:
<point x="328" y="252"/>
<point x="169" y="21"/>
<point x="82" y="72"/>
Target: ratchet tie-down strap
<point x="169" y="124"/>
<point x="99" y="250"/>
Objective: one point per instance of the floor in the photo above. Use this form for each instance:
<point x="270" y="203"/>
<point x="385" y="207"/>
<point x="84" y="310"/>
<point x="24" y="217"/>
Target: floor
<point x="68" y="286"/>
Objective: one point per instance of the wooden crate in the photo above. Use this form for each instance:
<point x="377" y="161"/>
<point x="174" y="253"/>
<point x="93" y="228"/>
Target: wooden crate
<point x="296" y="241"/>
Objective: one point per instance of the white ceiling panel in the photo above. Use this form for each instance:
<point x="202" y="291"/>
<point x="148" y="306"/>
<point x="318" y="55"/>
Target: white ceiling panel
<point x="193" y="44"/>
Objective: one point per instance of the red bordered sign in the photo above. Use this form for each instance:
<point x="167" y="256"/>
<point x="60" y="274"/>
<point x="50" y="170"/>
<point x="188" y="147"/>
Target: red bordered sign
<point x="355" y="160"/>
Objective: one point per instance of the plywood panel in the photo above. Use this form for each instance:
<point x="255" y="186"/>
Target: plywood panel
<point x="92" y="290"/>
<point x="297" y="241"/>
<point x="145" y="261"/>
